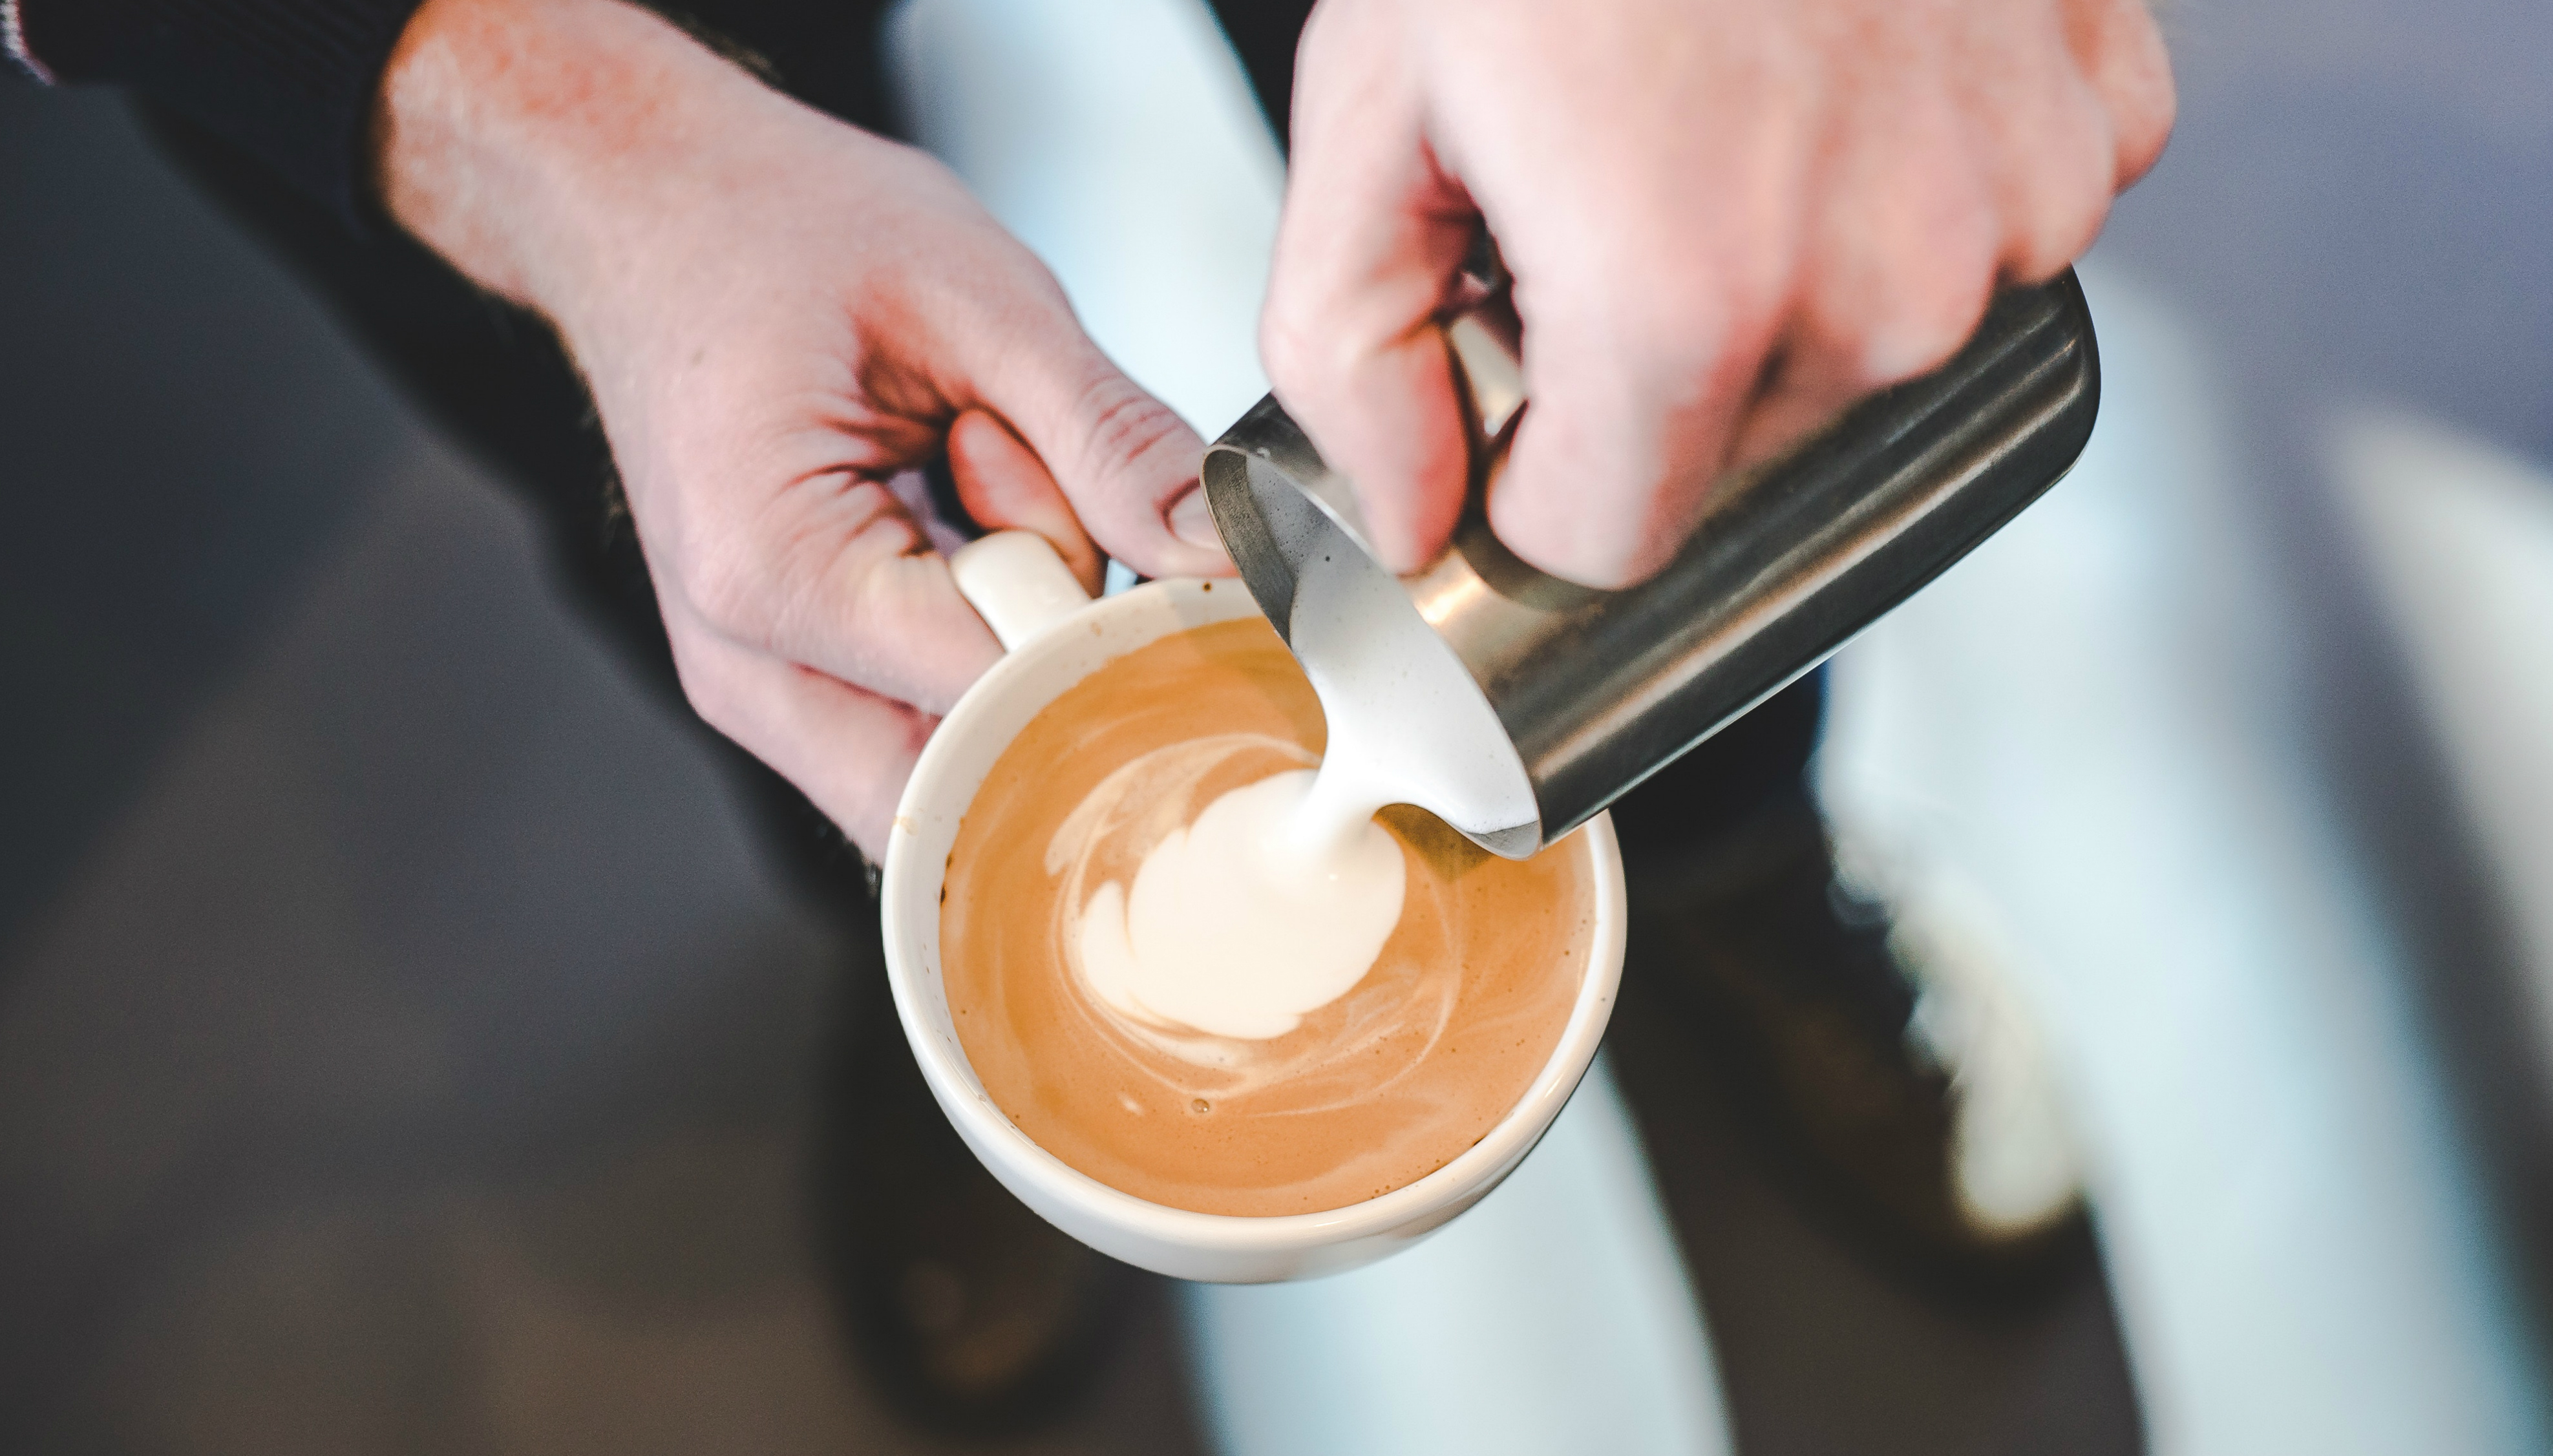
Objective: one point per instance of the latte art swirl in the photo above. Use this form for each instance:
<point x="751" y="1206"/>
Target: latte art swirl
<point x="1183" y="1024"/>
<point x="1225" y="927"/>
<point x="1238" y="962"/>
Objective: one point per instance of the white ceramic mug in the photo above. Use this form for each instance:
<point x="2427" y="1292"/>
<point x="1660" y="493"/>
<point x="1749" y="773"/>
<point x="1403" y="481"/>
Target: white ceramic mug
<point x="1057" y="636"/>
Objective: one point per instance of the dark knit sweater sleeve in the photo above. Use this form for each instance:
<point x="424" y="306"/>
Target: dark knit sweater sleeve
<point x="290" y="82"/>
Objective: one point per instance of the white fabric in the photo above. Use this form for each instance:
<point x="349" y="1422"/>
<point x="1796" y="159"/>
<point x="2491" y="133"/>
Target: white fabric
<point x="2085" y="717"/>
<point x="2461" y="537"/>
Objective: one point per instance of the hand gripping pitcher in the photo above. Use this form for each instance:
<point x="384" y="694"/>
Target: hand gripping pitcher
<point x="1556" y="699"/>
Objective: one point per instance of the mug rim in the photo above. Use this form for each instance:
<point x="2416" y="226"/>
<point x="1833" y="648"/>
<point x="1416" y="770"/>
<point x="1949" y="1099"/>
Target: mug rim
<point x="906" y="885"/>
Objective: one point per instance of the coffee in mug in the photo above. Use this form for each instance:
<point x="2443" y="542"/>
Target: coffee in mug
<point x="1163" y="983"/>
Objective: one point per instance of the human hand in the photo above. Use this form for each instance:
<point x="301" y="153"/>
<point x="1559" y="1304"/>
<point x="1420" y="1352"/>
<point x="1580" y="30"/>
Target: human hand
<point x="776" y="315"/>
<point x="1726" y="220"/>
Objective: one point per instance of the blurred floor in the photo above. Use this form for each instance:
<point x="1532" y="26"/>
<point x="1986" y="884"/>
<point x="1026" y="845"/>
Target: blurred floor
<point x="2459" y="532"/>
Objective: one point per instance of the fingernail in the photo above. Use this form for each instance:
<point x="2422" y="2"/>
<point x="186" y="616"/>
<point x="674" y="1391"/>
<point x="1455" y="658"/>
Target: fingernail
<point x="1191" y="522"/>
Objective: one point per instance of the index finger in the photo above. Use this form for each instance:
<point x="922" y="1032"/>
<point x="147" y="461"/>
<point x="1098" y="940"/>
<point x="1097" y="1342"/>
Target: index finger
<point x="1368" y="246"/>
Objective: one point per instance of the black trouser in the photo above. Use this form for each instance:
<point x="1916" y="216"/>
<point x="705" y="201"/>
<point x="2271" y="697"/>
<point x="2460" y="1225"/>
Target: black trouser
<point x="496" y="378"/>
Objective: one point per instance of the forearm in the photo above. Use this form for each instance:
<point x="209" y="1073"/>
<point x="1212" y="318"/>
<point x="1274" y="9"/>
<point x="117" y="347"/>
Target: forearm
<point x="542" y="146"/>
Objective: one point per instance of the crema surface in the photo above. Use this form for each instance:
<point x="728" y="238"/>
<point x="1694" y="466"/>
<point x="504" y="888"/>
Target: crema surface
<point x="1384" y="1082"/>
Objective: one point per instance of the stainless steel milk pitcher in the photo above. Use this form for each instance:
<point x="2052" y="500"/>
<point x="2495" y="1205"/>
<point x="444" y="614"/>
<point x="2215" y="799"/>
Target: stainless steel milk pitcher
<point x="1597" y="690"/>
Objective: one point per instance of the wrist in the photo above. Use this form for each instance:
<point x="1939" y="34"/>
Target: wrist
<point x="542" y="147"/>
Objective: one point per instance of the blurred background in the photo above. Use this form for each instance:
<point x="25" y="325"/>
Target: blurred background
<point x="402" y="1045"/>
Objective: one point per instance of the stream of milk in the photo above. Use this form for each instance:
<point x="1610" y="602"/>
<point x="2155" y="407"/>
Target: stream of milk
<point x="1278" y="898"/>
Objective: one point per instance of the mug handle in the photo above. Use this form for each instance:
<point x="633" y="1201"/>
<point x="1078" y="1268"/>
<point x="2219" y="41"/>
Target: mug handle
<point x="1018" y="584"/>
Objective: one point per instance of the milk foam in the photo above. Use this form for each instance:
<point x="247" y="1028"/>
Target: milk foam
<point x="1276" y="899"/>
<point x="1226" y="932"/>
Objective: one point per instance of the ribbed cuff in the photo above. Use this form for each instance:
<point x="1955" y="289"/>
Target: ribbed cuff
<point x="290" y="82"/>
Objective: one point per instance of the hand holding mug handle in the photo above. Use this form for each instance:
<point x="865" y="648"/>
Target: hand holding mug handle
<point x="1018" y="583"/>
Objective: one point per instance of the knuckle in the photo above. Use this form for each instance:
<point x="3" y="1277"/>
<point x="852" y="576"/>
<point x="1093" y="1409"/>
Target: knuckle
<point x="772" y="580"/>
<point x="1283" y="332"/>
<point x="1925" y="322"/>
<point x="1286" y="350"/>
<point x="2062" y="204"/>
<point x="1915" y="345"/>
<point x="1120" y="425"/>
<point x="731" y="594"/>
<point x="709" y="692"/>
<point x="1680" y="338"/>
<point x="1311" y="345"/>
<point x="714" y="706"/>
<point x="2054" y="232"/>
<point x="2141" y="94"/>
<point x="1709" y="328"/>
<point x="2142" y="125"/>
